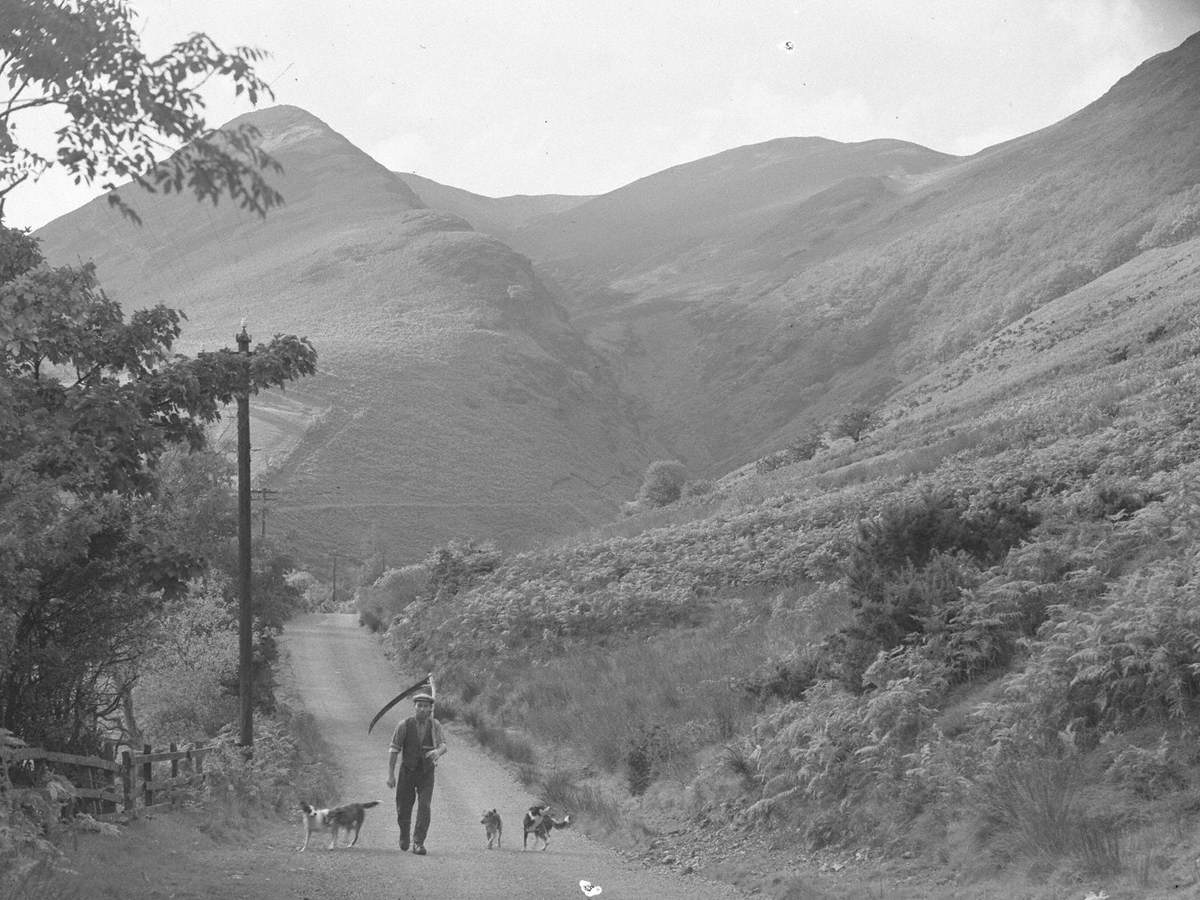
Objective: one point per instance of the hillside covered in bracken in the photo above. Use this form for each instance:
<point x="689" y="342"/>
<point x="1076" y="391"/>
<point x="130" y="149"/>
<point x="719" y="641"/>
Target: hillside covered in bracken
<point x="957" y="648"/>
<point x="833" y="503"/>
<point x="953" y="646"/>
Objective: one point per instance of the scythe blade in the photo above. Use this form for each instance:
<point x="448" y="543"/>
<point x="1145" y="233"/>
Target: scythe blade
<point x="426" y="682"/>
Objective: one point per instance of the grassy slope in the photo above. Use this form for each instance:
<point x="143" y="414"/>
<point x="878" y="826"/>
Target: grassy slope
<point x="635" y="229"/>
<point x="742" y="300"/>
<point x="652" y="632"/>
<point x="436" y="343"/>
<point x="499" y="217"/>
<point x="855" y="288"/>
<point x="1029" y="748"/>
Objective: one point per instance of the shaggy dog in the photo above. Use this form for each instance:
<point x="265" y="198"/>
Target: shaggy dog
<point x="538" y="822"/>
<point x="492" y="827"/>
<point x="348" y="817"/>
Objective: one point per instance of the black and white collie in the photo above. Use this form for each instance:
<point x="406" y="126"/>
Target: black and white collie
<point x="538" y="822"/>
<point x="348" y="817"/>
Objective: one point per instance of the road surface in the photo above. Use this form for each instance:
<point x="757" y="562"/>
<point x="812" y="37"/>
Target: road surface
<point x="338" y="673"/>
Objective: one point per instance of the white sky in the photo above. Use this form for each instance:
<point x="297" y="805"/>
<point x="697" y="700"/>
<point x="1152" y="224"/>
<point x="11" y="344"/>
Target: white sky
<point x="507" y="97"/>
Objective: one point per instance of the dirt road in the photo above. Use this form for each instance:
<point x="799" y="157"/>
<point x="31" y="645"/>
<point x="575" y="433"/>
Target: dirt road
<point x="341" y="676"/>
<point x="338" y="672"/>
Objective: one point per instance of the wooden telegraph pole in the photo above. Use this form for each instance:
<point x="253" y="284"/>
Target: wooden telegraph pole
<point x="245" y="646"/>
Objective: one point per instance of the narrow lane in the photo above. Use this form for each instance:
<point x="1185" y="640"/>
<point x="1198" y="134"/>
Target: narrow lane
<point x="339" y="674"/>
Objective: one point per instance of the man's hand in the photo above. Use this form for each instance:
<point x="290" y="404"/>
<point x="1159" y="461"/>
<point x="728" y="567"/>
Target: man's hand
<point x="391" y="779"/>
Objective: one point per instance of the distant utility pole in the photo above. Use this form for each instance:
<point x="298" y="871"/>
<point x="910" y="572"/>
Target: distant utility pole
<point x="262" y="511"/>
<point x="245" y="647"/>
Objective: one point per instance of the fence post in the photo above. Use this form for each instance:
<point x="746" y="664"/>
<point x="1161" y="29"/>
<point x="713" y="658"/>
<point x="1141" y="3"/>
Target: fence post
<point x="107" y="779"/>
<point x="147" y="776"/>
<point x="127" y="779"/>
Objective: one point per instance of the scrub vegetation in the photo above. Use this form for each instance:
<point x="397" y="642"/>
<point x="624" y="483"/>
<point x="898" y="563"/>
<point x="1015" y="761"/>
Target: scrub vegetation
<point x="977" y="647"/>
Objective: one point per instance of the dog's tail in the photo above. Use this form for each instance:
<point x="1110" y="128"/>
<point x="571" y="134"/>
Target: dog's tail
<point x="369" y="804"/>
<point x="566" y="820"/>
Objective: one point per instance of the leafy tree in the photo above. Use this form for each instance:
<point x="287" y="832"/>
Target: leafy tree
<point x="91" y="405"/>
<point x="123" y="113"/>
<point x="806" y="446"/>
<point x="458" y="565"/>
<point x="909" y="565"/>
<point x="275" y="599"/>
<point x="191" y="649"/>
<point x="854" y="423"/>
<point x="1178" y="219"/>
<point x="378" y="603"/>
<point x="663" y="482"/>
<point x="910" y="533"/>
<point x="196" y="634"/>
<point x="199" y="487"/>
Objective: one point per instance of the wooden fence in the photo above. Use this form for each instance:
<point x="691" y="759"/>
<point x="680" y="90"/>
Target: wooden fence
<point x="111" y="787"/>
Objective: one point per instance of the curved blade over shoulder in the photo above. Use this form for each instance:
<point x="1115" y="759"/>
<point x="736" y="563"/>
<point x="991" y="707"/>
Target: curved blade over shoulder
<point x="426" y="682"/>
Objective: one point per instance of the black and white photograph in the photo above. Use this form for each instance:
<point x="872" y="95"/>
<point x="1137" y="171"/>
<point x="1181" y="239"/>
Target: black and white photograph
<point x="687" y="450"/>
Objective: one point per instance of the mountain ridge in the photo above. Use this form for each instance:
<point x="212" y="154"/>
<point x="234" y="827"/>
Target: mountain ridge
<point x="436" y="343"/>
<point x="840" y="303"/>
<point x="495" y="215"/>
<point x="711" y="312"/>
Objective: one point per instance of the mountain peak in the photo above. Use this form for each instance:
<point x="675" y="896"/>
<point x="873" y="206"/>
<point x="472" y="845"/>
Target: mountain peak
<point x="303" y="143"/>
<point x="283" y="126"/>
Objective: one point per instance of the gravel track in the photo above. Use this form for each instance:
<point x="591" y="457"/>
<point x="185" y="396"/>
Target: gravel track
<point x="340" y="675"/>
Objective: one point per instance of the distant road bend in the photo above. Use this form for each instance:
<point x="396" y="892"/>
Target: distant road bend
<point x="340" y="675"/>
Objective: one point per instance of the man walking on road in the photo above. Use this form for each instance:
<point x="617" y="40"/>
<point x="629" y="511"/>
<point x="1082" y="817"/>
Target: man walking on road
<point x="417" y="742"/>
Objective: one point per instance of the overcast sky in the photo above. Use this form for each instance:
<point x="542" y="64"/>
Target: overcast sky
<point x="507" y="97"/>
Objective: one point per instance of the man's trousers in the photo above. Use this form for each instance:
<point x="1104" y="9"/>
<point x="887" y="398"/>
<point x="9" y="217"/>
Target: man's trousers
<point x="414" y="787"/>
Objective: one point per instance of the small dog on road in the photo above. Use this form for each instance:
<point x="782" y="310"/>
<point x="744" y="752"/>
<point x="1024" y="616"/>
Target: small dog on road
<point x="492" y="827"/>
<point x="538" y="822"/>
<point x="348" y="817"/>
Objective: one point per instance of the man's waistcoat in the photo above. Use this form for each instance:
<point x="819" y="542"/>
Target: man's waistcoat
<point x="412" y="753"/>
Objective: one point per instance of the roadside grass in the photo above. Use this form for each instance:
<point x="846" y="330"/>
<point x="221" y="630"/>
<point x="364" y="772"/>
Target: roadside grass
<point x="498" y="739"/>
<point x="638" y="709"/>
<point x="39" y="884"/>
<point x="681" y="684"/>
<point x="594" y="808"/>
<point x="291" y="762"/>
<point x="623" y="717"/>
<point x="1039" y="810"/>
